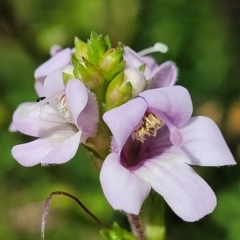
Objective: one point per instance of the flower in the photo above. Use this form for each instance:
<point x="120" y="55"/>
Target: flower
<point x="163" y="75"/>
<point x="60" y="59"/>
<point x="154" y="142"/>
<point x="67" y="117"/>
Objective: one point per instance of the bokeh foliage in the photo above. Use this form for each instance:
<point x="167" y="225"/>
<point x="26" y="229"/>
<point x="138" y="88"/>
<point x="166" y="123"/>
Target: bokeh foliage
<point x="202" y="37"/>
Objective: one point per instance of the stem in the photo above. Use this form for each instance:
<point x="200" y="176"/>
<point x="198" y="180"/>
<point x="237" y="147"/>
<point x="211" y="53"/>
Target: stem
<point x="99" y="144"/>
<point x="136" y="226"/>
<point x="47" y="205"/>
<point x="153" y="217"/>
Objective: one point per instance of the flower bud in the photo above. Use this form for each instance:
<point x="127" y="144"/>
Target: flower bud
<point x="111" y="62"/>
<point x="136" y="79"/>
<point x="118" y="92"/>
<point x="89" y="74"/>
<point x="97" y="45"/>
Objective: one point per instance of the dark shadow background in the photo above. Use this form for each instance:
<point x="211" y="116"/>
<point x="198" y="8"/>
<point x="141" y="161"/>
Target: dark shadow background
<point x="203" y="37"/>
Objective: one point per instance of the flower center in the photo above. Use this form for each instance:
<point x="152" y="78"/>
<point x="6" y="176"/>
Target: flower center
<point x="149" y="127"/>
<point x="63" y="109"/>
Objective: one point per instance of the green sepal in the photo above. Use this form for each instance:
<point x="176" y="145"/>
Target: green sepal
<point x="142" y="68"/>
<point x="96" y="46"/>
<point x="80" y="48"/>
<point x="111" y="62"/>
<point x="148" y="81"/>
<point x="67" y="77"/>
<point x="92" y="78"/>
<point x="87" y="73"/>
<point x="116" y="233"/>
<point x="76" y="65"/>
<point x="107" y="42"/>
<point x="118" y="92"/>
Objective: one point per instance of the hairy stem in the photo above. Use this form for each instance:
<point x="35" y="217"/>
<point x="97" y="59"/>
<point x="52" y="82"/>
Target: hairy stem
<point x="136" y="226"/>
<point x="47" y="205"/>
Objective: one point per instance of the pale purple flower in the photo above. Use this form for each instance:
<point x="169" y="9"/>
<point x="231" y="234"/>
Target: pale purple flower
<point x="163" y="75"/>
<point x="154" y="142"/>
<point x="67" y="117"/>
<point x="60" y="59"/>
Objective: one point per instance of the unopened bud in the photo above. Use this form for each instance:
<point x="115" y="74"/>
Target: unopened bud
<point x="96" y="47"/>
<point x="111" y="62"/>
<point x="118" y="92"/>
<point x="91" y="77"/>
<point x="136" y="79"/>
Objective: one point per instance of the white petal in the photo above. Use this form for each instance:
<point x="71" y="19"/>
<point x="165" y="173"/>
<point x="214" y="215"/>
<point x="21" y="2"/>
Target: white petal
<point x="186" y="193"/>
<point x="204" y="143"/>
<point x="123" y="189"/>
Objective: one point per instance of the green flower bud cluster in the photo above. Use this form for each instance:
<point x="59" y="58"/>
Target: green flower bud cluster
<point x="101" y="68"/>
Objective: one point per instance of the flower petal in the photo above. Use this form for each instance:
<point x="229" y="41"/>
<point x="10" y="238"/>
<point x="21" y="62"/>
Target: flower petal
<point x="64" y="151"/>
<point x="83" y="107"/>
<point x="12" y="127"/>
<point x="77" y="97"/>
<point x="186" y="193"/>
<point x="123" y="190"/>
<point x="88" y="119"/>
<point x="58" y="61"/>
<point x="38" y="85"/>
<point x="41" y="121"/>
<point x="164" y="76"/>
<point x="123" y="120"/>
<point x="46" y="150"/>
<point x="204" y="143"/>
<point x="134" y="60"/>
<point x="175" y="102"/>
<point x="53" y="84"/>
<point x="32" y="153"/>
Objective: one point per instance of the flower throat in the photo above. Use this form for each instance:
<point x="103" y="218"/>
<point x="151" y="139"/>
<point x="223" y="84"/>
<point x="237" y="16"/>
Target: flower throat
<point x="149" y="127"/>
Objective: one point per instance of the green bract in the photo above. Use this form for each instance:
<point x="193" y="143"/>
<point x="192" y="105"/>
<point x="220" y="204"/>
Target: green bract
<point x="80" y="48"/>
<point x="90" y="75"/>
<point x="111" y="62"/>
<point x="117" y="233"/>
<point x="96" y="46"/>
<point x="118" y="92"/>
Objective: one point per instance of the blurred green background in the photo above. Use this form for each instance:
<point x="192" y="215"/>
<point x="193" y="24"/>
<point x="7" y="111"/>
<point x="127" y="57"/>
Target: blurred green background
<point x="203" y="37"/>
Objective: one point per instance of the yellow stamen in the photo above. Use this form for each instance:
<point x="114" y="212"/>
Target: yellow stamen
<point x="149" y="127"/>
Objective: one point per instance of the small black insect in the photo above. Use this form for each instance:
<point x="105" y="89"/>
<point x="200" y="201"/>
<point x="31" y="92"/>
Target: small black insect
<point x="40" y="99"/>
